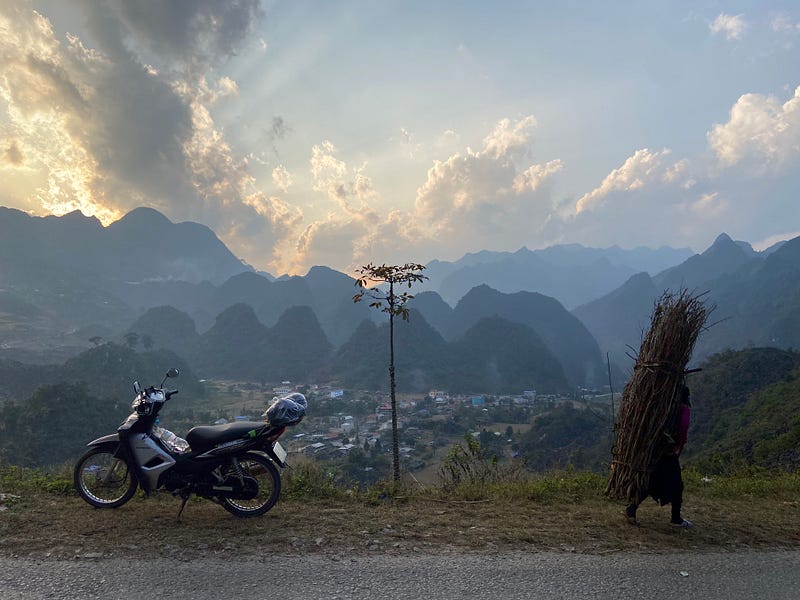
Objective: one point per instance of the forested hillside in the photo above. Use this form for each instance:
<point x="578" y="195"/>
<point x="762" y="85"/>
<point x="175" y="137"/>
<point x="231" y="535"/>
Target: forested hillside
<point x="746" y="409"/>
<point x="745" y="413"/>
<point x="87" y="397"/>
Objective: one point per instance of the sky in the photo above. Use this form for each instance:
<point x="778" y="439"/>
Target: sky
<point x="312" y="132"/>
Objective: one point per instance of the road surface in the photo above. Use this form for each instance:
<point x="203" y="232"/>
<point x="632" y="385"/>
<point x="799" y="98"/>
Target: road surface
<point x="774" y="575"/>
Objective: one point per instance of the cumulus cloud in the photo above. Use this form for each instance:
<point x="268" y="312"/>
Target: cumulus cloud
<point x="328" y="241"/>
<point x="740" y="184"/>
<point x="491" y="196"/>
<point x="282" y="178"/>
<point x="761" y="134"/>
<point x="338" y="238"/>
<point x="731" y="26"/>
<point x="476" y="193"/>
<point x="651" y="199"/>
<point x="535" y="176"/>
<point x="483" y="198"/>
<point x="643" y="168"/>
<point x="348" y="187"/>
<point x="496" y="197"/>
<point x="508" y="138"/>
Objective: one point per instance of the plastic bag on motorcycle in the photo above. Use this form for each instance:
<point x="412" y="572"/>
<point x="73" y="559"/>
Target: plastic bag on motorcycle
<point x="286" y="410"/>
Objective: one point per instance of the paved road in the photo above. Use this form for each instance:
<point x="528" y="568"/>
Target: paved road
<point x="741" y="575"/>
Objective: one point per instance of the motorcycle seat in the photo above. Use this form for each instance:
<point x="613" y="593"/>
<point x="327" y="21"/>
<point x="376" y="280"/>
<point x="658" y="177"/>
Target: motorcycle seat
<point x="205" y="436"/>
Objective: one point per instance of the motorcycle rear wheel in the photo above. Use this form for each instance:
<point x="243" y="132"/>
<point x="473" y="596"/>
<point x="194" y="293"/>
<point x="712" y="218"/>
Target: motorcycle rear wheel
<point x="103" y="480"/>
<point x="266" y="474"/>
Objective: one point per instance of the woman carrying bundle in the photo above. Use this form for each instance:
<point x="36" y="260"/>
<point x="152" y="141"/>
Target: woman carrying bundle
<point x="666" y="483"/>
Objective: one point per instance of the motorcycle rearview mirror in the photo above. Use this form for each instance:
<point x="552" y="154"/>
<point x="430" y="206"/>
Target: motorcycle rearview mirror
<point x="173" y="372"/>
<point x="136" y="388"/>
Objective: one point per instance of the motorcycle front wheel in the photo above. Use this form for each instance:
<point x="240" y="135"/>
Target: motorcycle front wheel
<point x="103" y="480"/>
<point x="266" y="474"/>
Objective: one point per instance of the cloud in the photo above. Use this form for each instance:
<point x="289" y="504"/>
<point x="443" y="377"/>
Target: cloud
<point x="352" y="194"/>
<point x="484" y="198"/>
<point x="225" y="87"/>
<point x="47" y="104"/>
<point x="348" y="187"/>
<point x="640" y="170"/>
<point x="122" y="118"/>
<point x="328" y="172"/>
<point x="535" y="176"/>
<point x="191" y="35"/>
<point x="509" y="138"/>
<point x="279" y="129"/>
<point x="732" y="26"/>
<point x="12" y="155"/>
<point x="762" y="134"/>
<point x="282" y="178"/>
<point x="774" y="239"/>
<point x="473" y="194"/>
<point x="651" y="199"/>
<point x="783" y="23"/>
<point x="710" y="206"/>
<point x="409" y="148"/>
<point x="351" y="242"/>
<point x="228" y="192"/>
<point x="326" y="242"/>
<point x="746" y="181"/>
<point x="126" y="115"/>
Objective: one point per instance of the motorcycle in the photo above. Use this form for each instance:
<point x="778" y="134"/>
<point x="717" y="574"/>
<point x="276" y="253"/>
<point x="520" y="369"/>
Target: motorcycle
<point x="234" y="465"/>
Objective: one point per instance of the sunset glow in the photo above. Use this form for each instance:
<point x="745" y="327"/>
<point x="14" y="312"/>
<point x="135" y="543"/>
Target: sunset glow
<point x="343" y="133"/>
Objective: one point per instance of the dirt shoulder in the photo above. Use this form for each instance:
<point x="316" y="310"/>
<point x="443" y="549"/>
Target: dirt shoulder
<point x="47" y="525"/>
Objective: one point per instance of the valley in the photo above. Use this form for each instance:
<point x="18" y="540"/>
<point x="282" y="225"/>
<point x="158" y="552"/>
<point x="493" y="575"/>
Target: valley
<point x="512" y="367"/>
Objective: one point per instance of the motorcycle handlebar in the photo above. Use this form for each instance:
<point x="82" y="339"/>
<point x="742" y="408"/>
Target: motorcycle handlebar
<point x="170" y="393"/>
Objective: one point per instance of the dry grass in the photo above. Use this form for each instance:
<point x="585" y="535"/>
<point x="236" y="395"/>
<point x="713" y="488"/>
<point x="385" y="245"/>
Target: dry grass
<point x="571" y="518"/>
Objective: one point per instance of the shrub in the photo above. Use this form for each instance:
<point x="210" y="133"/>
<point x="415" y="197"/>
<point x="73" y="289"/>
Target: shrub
<point x="309" y="479"/>
<point x="472" y="465"/>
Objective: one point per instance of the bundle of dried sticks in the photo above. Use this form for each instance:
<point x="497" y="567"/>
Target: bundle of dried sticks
<point x="651" y="398"/>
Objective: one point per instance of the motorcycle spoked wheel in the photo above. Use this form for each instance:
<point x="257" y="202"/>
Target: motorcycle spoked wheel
<point x="266" y="474"/>
<point x="103" y="480"/>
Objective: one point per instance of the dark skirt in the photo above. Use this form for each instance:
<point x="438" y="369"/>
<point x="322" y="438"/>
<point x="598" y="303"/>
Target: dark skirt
<point x="666" y="483"/>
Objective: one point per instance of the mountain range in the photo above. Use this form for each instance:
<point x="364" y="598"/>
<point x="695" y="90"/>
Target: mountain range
<point x="572" y="273"/>
<point x="484" y="322"/>
<point x="754" y="299"/>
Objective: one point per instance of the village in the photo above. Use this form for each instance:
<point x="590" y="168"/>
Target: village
<point x="354" y="427"/>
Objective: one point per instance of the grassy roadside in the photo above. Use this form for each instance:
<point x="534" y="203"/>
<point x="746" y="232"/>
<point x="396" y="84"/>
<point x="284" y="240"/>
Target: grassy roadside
<point x="40" y="516"/>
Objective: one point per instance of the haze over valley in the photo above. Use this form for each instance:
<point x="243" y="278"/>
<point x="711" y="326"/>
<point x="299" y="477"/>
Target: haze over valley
<point x="69" y="283"/>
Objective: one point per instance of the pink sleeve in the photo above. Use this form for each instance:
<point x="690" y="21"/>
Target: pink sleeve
<point x="683" y="426"/>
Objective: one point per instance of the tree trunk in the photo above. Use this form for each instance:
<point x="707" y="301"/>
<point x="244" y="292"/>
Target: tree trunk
<point x="395" y="440"/>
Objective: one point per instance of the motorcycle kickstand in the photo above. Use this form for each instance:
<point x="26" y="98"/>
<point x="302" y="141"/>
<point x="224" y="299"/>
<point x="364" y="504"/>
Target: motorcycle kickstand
<point x="184" y="494"/>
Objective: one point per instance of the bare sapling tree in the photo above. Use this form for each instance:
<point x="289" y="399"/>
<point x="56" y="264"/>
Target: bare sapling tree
<point x="372" y="281"/>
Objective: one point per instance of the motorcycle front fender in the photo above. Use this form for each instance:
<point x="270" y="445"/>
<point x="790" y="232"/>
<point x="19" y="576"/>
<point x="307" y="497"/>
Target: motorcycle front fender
<point x="123" y="450"/>
<point x="113" y="437"/>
